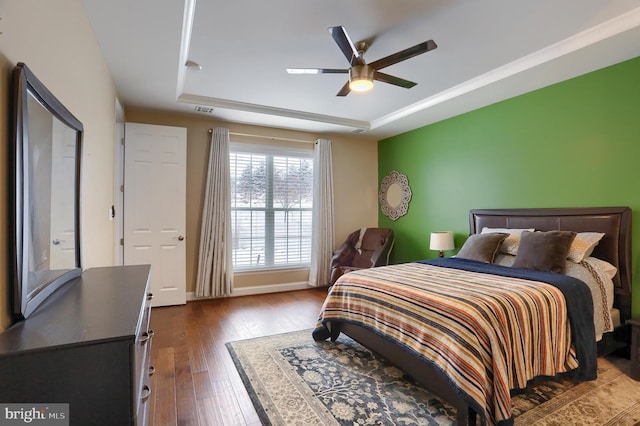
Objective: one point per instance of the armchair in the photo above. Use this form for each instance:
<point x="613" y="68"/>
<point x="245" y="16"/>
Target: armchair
<point x="364" y="248"/>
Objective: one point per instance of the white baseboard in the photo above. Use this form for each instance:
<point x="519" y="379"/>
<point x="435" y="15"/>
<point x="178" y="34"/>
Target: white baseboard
<point x="259" y="289"/>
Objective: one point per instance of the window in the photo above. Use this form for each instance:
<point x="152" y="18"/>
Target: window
<point x="271" y="206"/>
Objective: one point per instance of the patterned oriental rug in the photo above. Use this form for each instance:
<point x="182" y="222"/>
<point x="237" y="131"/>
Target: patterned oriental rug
<point x="293" y="380"/>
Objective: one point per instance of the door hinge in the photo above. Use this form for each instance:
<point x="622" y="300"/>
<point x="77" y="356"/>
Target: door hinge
<point x="122" y="141"/>
<point x="121" y="241"/>
<point x="121" y="188"/>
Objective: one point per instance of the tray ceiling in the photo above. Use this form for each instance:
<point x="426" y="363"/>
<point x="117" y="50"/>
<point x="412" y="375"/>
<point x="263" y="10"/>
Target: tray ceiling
<point x="487" y="51"/>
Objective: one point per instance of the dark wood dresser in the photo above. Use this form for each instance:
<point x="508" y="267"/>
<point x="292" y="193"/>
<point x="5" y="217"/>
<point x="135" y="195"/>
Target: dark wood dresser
<point x="88" y="345"/>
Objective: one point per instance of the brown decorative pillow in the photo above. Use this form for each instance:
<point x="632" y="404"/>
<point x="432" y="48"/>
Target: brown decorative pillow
<point x="511" y="243"/>
<point x="482" y="247"/>
<point x="544" y="251"/>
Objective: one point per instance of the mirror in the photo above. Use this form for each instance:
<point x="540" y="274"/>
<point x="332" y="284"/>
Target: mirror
<point x="47" y="154"/>
<point x="395" y="195"/>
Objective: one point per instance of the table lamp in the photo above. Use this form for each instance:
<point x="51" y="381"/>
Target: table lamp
<point x="441" y="241"/>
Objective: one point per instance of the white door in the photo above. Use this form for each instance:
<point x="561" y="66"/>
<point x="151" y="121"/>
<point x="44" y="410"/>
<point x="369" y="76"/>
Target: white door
<point x="155" y="207"/>
<point x="117" y="212"/>
<point x="62" y="249"/>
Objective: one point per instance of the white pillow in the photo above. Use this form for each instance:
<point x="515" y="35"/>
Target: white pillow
<point x="511" y="243"/>
<point x="583" y="245"/>
<point x="602" y="266"/>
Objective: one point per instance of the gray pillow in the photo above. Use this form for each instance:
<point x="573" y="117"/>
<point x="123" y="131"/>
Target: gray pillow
<point x="482" y="247"/>
<point x="544" y="251"/>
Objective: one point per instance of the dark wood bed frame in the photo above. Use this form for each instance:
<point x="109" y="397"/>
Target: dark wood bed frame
<point x="615" y="248"/>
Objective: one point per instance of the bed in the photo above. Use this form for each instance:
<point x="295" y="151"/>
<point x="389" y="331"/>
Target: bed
<point x="567" y="342"/>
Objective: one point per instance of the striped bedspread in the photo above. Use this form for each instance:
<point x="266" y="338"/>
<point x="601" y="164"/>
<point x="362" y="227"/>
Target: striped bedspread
<point x="488" y="334"/>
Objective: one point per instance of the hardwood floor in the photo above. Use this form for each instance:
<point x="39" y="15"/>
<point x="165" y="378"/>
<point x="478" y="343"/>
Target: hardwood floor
<point x="195" y="382"/>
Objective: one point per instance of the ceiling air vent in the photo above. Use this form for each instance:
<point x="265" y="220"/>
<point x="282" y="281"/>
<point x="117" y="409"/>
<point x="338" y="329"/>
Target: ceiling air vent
<point x="359" y="131"/>
<point x="205" y="109"/>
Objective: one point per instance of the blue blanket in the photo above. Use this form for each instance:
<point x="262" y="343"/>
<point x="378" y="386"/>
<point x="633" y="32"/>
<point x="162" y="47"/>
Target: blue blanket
<point x="578" y="298"/>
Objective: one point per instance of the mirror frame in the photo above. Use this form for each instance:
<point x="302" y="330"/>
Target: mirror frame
<point x="27" y="84"/>
<point x="394" y="212"/>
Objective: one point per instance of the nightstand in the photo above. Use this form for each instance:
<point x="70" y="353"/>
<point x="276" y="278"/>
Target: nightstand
<point x="635" y="348"/>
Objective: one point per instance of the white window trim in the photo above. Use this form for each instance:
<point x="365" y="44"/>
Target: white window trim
<point x="274" y="150"/>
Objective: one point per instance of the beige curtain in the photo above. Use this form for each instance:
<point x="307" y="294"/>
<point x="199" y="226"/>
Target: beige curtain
<point x="323" y="222"/>
<point x="215" y="269"/>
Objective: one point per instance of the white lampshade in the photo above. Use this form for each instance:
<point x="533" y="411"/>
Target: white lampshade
<point x="441" y="241"/>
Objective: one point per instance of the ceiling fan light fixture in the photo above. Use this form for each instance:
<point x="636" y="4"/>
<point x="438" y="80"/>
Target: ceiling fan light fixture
<point x="361" y="78"/>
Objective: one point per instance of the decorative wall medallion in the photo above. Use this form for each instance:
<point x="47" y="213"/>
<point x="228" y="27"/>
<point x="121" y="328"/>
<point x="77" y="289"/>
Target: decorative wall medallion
<point x="394" y="195"/>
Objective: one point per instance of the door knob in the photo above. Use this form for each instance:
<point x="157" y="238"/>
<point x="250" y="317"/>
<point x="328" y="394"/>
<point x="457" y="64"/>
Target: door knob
<point x="180" y="238"/>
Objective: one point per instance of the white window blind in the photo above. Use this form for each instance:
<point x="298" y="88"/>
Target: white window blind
<point x="271" y="207"/>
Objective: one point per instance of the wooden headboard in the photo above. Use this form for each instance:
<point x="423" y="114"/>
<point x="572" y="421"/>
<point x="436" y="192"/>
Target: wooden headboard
<point x="614" y="222"/>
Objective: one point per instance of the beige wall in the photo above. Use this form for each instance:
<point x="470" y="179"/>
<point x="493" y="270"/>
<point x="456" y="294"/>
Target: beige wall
<point x="355" y="163"/>
<point x="56" y="42"/>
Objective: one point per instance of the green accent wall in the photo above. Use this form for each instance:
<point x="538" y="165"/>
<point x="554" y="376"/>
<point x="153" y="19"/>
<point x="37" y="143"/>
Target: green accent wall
<point x="572" y="144"/>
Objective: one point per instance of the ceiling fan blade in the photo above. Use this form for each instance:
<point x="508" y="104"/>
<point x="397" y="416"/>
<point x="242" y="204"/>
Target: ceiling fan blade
<point x="345" y="90"/>
<point x="397" y="81"/>
<point x="404" y="54"/>
<point x="317" y="71"/>
<point x="345" y="44"/>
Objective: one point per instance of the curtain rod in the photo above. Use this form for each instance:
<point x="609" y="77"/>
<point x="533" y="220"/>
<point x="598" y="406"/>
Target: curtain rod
<point x="267" y="137"/>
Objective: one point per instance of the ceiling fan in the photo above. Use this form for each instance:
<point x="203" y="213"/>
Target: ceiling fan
<point x="361" y="74"/>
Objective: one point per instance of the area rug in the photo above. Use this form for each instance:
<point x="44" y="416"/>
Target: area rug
<point x="293" y="380"/>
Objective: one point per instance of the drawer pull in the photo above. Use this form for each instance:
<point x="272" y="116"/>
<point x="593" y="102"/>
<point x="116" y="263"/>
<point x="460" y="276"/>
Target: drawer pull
<point x="152" y="370"/>
<point x="146" y="393"/>
<point x="146" y="336"/>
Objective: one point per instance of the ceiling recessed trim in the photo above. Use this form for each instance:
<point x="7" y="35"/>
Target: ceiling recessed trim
<point x="151" y="71"/>
<point x="578" y="41"/>
<point x="282" y="112"/>
<point x="185" y="43"/>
